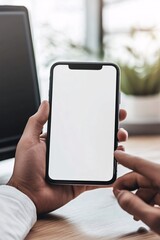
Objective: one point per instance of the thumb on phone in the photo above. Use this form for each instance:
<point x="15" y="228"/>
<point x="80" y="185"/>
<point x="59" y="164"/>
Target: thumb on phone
<point x="36" y="122"/>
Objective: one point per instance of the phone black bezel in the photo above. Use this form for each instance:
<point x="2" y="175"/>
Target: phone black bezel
<point x="83" y="65"/>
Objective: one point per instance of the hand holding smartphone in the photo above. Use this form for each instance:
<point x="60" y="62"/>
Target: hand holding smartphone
<point x="83" y="123"/>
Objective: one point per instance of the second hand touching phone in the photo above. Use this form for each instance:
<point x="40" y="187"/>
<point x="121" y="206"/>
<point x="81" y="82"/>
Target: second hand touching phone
<point x="83" y="123"/>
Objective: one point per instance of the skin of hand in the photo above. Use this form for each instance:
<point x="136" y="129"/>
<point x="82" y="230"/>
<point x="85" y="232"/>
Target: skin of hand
<point x="30" y="161"/>
<point x="145" y="179"/>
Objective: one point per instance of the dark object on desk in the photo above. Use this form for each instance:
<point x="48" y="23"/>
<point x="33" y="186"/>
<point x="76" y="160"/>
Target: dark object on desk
<point x="19" y="91"/>
<point x="141" y="128"/>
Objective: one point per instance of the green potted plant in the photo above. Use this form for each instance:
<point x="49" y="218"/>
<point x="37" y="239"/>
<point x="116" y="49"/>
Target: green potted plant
<point x="141" y="80"/>
<point x="140" y="85"/>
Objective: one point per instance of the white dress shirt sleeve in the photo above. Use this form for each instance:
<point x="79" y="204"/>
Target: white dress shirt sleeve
<point x="17" y="214"/>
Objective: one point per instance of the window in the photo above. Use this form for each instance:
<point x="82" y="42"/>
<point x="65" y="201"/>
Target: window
<point x="134" y="23"/>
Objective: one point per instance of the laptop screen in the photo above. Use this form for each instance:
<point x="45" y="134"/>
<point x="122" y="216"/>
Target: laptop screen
<point x="19" y="93"/>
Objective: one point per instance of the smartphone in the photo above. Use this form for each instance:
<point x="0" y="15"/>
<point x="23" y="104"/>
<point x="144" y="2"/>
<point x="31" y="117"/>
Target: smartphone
<point x="83" y="123"/>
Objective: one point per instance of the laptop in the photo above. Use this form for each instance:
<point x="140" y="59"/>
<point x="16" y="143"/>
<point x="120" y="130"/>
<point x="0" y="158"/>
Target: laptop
<point x="19" y="91"/>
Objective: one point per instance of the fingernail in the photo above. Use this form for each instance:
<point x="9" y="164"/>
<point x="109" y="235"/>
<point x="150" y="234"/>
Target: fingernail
<point x="118" y="151"/>
<point x="116" y="192"/>
<point x="41" y="105"/>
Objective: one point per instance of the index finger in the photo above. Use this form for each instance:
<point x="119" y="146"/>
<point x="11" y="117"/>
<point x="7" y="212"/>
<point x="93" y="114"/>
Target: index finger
<point x="137" y="207"/>
<point x="146" y="168"/>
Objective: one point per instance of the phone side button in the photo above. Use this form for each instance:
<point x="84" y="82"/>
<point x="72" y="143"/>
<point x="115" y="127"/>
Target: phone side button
<point x="119" y="98"/>
<point x="49" y="94"/>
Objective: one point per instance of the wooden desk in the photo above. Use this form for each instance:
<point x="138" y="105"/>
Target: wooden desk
<point x="96" y="215"/>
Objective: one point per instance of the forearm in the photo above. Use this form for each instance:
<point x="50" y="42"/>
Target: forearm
<point x="17" y="213"/>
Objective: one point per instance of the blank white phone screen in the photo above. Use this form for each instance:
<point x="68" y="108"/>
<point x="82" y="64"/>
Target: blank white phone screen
<point x="82" y="124"/>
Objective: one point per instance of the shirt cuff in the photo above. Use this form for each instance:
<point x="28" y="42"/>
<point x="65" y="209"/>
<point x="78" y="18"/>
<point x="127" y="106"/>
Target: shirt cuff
<point x="20" y="206"/>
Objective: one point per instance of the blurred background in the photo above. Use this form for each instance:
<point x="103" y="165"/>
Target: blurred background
<point x="126" y="32"/>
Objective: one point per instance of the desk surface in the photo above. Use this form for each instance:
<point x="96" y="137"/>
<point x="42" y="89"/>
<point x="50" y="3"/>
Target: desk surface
<point x="96" y="215"/>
